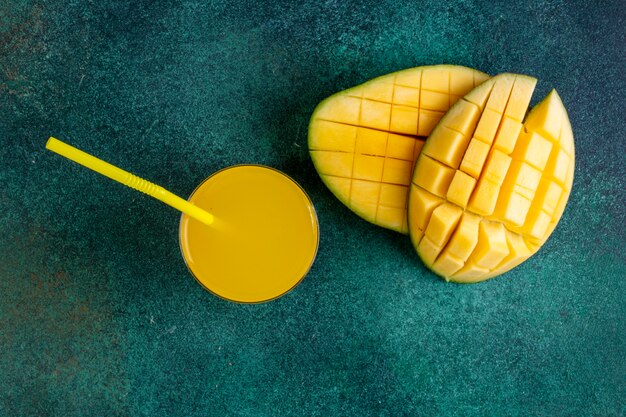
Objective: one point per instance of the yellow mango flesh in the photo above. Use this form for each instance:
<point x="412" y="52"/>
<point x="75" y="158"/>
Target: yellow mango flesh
<point x="364" y="141"/>
<point x="488" y="187"/>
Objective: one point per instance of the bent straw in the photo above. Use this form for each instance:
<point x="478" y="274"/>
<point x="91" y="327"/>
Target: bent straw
<point x="128" y="179"/>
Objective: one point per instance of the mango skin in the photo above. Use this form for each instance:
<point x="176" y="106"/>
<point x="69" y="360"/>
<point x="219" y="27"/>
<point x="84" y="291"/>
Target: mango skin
<point x="490" y="186"/>
<point x="364" y="141"/>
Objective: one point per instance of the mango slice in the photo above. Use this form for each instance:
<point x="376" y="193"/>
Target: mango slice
<point x="489" y="188"/>
<point x="364" y="141"/>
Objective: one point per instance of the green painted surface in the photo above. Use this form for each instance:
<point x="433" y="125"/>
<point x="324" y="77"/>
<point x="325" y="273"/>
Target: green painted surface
<point x="98" y="315"/>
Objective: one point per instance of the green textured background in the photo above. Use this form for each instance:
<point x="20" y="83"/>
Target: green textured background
<point x="98" y="314"/>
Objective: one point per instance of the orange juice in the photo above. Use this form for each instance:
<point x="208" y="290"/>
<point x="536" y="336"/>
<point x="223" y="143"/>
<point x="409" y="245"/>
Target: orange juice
<point x="264" y="238"/>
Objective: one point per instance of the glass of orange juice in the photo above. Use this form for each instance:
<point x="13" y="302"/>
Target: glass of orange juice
<point x="248" y="233"/>
<point x="264" y="238"/>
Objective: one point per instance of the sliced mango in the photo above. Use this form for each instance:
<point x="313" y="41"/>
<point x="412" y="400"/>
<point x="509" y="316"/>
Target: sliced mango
<point x="367" y="138"/>
<point x="489" y="186"/>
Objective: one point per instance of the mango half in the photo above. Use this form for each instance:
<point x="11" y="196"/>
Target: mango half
<point x="364" y="141"/>
<point x="489" y="187"/>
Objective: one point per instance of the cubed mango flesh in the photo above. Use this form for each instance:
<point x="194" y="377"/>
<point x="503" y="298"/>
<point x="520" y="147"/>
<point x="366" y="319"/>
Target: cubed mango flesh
<point x="490" y="187"/>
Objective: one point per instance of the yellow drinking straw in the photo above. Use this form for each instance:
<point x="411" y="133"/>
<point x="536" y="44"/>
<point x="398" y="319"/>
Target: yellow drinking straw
<point x="128" y="179"/>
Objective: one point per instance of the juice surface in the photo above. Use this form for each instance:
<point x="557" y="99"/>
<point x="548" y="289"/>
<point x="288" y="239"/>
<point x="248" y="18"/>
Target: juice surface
<point x="263" y="241"/>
